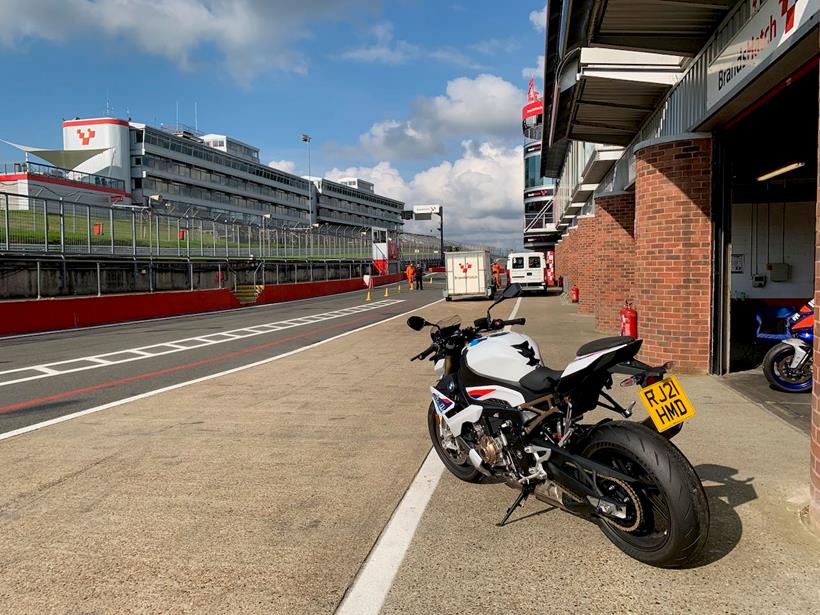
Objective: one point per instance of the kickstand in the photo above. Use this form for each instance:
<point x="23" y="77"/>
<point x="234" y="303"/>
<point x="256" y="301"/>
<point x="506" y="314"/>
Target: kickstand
<point x="519" y="501"/>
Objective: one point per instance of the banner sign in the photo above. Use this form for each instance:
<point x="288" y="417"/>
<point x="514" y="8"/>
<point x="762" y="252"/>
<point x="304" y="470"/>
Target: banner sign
<point x="767" y="33"/>
<point x="425" y="212"/>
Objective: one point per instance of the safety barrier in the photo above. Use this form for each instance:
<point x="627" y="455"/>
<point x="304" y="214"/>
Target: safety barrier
<point x="34" y="316"/>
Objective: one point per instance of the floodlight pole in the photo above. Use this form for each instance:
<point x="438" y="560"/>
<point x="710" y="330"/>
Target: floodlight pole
<point x="441" y="232"/>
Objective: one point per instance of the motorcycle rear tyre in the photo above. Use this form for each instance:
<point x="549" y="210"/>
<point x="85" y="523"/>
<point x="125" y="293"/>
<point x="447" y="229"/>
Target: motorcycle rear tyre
<point x="465" y="471"/>
<point x="677" y="482"/>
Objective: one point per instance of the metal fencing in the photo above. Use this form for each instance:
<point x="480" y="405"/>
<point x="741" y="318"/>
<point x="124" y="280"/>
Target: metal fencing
<point x="59" y="227"/>
<point x="39" y="277"/>
<point x="53" y="226"/>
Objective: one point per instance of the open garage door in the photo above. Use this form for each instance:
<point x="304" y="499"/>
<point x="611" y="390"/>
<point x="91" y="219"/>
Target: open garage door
<point x="771" y="162"/>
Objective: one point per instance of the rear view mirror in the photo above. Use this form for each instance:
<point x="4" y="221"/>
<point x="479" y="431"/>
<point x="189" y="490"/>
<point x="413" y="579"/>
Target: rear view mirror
<point x="417" y="323"/>
<point x="512" y="291"/>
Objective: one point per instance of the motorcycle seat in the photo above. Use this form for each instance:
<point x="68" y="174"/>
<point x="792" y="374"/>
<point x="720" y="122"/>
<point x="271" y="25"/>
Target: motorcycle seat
<point x="605" y="343"/>
<point x="541" y="380"/>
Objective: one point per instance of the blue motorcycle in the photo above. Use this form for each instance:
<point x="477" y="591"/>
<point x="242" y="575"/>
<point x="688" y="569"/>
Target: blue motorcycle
<point x="788" y="365"/>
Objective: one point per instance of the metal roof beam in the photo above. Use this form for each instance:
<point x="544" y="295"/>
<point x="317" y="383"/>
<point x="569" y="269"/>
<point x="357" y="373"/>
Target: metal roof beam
<point x="625" y="131"/>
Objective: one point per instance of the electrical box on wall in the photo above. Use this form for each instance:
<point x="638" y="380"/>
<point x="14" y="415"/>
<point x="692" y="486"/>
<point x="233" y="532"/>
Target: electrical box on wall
<point x="780" y="272"/>
<point x="758" y="281"/>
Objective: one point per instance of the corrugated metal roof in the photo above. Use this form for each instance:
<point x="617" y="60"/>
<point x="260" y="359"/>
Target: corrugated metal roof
<point x="672" y="26"/>
<point x="609" y="111"/>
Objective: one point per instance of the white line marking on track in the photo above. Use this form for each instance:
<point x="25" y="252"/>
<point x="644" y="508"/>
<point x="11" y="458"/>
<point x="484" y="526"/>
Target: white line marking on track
<point x="190" y="343"/>
<point x="373" y="582"/>
<point x="179" y="385"/>
<point x="513" y="313"/>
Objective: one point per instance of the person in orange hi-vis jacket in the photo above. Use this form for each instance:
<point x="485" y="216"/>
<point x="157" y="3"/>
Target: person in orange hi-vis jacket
<point x="410" y="272"/>
<point x="497" y="274"/>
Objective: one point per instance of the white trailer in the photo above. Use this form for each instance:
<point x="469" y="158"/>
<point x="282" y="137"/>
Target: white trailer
<point x="468" y="275"/>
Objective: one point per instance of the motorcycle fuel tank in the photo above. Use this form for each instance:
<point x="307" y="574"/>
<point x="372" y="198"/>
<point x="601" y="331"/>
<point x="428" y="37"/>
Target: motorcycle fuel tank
<point x="503" y="356"/>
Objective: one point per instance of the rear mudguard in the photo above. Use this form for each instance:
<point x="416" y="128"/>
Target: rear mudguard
<point x="668" y="433"/>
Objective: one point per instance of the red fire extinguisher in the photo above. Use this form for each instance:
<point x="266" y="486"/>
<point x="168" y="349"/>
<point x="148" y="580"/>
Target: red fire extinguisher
<point x="574" y="294"/>
<point x="629" y="320"/>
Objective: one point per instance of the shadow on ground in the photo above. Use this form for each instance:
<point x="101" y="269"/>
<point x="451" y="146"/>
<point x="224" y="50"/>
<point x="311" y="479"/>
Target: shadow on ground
<point x="725" y="493"/>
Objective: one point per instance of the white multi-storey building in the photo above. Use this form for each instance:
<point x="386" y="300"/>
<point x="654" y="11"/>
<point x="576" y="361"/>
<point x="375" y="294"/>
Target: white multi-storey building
<point x="213" y="177"/>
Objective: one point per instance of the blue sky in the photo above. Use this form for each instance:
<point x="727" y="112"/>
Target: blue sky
<point x="421" y="96"/>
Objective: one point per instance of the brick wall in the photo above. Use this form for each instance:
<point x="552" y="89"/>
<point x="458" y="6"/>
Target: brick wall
<point x="673" y="252"/>
<point x="565" y="259"/>
<point x="615" y="266"/>
<point x="585" y="261"/>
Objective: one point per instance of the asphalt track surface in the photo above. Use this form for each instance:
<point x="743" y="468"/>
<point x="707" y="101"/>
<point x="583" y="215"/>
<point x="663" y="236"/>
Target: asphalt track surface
<point x="46" y="376"/>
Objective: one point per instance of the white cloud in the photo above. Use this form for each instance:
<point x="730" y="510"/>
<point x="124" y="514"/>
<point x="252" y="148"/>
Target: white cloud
<point x="484" y="106"/>
<point x="534" y="71"/>
<point x="385" y="177"/>
<point x="539" y="19"/>
<point x="481" y="192"/>
<point x="288" y="166"/>
<point x="386" y="49"/>
<point x="251" y="36"/>
<point x="450" y="55"/>
<point x="493" y="46"/>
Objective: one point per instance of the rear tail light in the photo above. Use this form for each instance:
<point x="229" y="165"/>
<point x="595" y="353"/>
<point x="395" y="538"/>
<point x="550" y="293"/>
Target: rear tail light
<point x="651" y="380"/>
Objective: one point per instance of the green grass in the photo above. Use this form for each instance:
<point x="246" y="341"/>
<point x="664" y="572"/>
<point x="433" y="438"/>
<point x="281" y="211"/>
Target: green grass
<point x="22" y="230"/>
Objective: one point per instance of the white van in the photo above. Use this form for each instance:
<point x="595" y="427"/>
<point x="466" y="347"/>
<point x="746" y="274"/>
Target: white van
<point x="529" y="269"/>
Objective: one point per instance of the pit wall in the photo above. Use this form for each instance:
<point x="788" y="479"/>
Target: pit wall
<point x="36" y="316"/>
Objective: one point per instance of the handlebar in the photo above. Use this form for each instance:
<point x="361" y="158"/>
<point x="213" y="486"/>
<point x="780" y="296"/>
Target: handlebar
<point x="482" y="324"/>
<point x="424" y="353"/>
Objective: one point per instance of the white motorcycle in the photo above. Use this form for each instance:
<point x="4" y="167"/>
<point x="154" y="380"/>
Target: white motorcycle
<point x="499" y="413"/>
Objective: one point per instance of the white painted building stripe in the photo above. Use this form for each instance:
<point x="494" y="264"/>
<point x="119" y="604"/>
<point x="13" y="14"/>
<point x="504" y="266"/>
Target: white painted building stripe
<point x="179" y="385"/>
<point x="370" y="588"/>
<point x="155" y="350"/>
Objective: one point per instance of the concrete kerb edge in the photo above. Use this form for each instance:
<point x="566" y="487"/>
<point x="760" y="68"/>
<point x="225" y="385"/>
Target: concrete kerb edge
<point x="684" y="136"/>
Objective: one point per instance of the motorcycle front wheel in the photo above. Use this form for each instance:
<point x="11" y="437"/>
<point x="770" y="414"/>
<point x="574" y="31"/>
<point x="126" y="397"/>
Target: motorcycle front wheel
<point x="667" y="514"/>
<point x="454" y="458"/>
<point x="781" y="376"/>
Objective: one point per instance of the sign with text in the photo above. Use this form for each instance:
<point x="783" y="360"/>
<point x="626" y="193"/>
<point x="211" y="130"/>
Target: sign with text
<point x="425" y="212"/>
<point x="767" y="33"/>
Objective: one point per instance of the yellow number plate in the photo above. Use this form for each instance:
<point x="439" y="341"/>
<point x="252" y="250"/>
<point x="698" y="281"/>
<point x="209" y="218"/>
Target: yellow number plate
<point x="666" y="403"/>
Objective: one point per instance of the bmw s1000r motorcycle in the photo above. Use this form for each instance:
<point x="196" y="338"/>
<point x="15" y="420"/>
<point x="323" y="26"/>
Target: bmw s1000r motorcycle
<point x="499" y="413"/>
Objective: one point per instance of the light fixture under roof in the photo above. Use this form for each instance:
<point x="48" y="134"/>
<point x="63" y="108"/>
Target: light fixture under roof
<point x="781" y="170"/>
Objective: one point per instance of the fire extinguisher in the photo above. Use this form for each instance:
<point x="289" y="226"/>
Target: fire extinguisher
<point x="574" y="294"/>
<point x="629" y="320"/>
